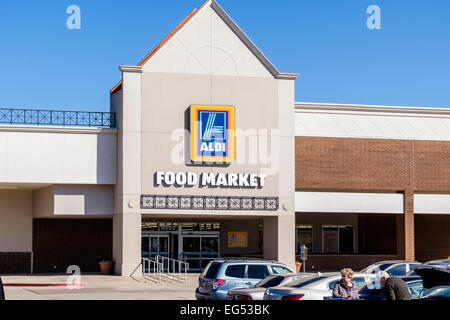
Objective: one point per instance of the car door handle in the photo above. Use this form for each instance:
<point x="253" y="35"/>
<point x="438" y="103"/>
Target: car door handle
<point x="249" y="283"/>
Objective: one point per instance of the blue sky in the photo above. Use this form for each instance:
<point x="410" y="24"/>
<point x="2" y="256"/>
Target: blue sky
<point x="46" y="66"/>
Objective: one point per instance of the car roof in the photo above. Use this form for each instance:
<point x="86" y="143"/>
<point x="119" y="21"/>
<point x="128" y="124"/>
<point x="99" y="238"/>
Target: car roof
<point x="395" y="261"/>
<point x="237" y="259"/>
<point x="437" y="261"/>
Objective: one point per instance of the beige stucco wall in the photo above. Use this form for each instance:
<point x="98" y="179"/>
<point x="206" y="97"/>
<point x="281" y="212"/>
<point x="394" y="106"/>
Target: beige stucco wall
<point x="16" y="223"/>
<point x="165" y="99"/>
<point x="73" y="200"/>
<point x="52" y="155"/>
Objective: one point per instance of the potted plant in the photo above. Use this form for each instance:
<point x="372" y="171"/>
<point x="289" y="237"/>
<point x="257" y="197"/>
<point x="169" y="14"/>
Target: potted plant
<point x="298" y="265"/>
<point x="106" y="266"/>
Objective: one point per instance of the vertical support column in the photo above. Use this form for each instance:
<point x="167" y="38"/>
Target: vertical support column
<point x="405" y="228"/>
<point x="127" y="215"/>
<point x="279" y="231"/>
<point x="279" y="239"/>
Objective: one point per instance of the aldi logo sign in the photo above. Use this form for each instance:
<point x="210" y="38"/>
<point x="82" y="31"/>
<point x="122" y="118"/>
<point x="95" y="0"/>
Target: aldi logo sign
<point x="212" y="133"/>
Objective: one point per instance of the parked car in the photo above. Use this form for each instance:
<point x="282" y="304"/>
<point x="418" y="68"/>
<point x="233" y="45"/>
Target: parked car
<point x="317" y="287"/>
<point x="442" y="262"/>
<point x="371" y="292"/>
<point x="272" y="281"/>
<point x="222" y="275"/>
<point x="436" y="282"/>
<point x="393" y="267"/>
<point x="2" y="292"/>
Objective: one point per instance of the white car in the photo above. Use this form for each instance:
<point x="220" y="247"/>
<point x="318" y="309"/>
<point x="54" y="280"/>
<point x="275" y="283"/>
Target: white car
<point x="316" y="287"/>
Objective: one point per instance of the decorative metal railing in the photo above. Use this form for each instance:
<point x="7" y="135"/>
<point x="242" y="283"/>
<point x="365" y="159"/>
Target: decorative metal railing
<point x="209" y="203"/>
<point x="58" y="118"/>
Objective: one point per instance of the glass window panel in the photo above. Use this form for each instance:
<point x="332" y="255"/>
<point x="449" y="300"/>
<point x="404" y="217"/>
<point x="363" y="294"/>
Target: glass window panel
<point x="164" y="244"/>
<point x="257" y="272"/>
<point x="235" y="271"/>
<point x="304" y="237"/>
<point x="145" y="247"/>
<point x="210" y="245"/>
<point x="191" y="245"/>
<point x="346" y="239"/>
<point x="330" y="239"/>
<point x="279" y="270"/>
<point x="154" y="244"/>
<point x="398" y="270"/>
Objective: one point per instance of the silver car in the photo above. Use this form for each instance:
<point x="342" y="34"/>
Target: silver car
<point x="317" y="287"/>
<point x="225" y="274"/>
<point x="257" y="293"/>
<point x="393" y="267"/>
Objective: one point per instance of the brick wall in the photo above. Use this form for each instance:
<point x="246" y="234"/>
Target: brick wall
<point x="350" y="164"/>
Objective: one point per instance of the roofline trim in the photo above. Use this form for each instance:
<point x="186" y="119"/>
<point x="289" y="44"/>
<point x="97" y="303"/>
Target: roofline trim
<point x="314" y="106"/>
<point x="250" y="45"/>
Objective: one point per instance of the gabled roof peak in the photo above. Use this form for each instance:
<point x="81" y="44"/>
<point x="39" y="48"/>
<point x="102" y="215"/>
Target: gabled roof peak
<point x="233" y="26"/>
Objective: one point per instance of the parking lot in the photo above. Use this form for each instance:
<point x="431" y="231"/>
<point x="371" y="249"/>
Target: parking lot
<point x="97" y="287"/>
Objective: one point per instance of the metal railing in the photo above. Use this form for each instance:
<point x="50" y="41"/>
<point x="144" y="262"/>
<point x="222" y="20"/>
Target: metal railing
<point x="57" y="118"/>
<point x="173" y="269"/>
<point x="151" y="269"/>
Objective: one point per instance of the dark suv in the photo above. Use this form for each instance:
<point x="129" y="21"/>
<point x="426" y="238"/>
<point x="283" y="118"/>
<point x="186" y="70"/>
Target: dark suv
<point x="222" y="275"/>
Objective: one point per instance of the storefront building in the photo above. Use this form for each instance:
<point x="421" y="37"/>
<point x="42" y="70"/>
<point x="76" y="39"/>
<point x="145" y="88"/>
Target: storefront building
<point x="206" y="154"/>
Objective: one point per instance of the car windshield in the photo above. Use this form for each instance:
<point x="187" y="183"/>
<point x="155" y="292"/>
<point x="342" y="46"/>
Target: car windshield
<point x="305" y="281"/>
<point x="377" y="266"/>
<point x="270" y="281"/>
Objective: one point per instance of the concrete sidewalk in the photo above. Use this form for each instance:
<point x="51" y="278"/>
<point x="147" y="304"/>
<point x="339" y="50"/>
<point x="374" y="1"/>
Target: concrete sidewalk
<point x="98" y="287"/>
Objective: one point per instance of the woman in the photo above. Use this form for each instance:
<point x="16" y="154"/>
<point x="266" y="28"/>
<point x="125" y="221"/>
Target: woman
<point x="346" y="288"/>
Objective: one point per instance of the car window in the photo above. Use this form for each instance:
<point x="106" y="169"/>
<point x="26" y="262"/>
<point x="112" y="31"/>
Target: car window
<point x="398" y="270"/>
<point x="269" y="282"/>
<point x="304" y="281"/>
<point x="257" y="271"/>
<point x="211" y="270"/>
<point x="414" y="288"/>
<point x="332" y="284"/>
<point x="235" y="271"/>
<point x="280" y="270"/>
<point x="437" y="293"/>
<point x="359" y="281"/>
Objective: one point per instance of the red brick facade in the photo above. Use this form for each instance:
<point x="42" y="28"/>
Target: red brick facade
<point x="371" y="165"/>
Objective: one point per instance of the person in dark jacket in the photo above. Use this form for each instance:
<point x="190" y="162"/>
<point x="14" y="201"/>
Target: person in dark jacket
<point x="2" y="293"/>
<point x="395" y="287"/>
<point x="346" y="288"/>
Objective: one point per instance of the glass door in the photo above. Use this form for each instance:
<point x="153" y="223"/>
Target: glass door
<point x="199" y="250"/>
<point x="159" y="245"/>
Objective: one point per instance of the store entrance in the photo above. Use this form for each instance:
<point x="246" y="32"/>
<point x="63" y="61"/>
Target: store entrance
<point x="199" y="250"/>
<point x="194" y="243"/>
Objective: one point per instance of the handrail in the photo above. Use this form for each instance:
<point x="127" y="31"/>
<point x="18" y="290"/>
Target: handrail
<point x="151" y="269"/>
<point x="171" y="270"/>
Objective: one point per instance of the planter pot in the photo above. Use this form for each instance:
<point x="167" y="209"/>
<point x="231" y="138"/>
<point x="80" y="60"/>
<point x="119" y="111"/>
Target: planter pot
<point x="106" y="267"/>
<point x="298" y="265"/>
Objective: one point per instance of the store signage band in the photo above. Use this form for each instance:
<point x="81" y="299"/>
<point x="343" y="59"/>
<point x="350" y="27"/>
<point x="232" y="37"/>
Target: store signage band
<point x="210" y="179"/>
